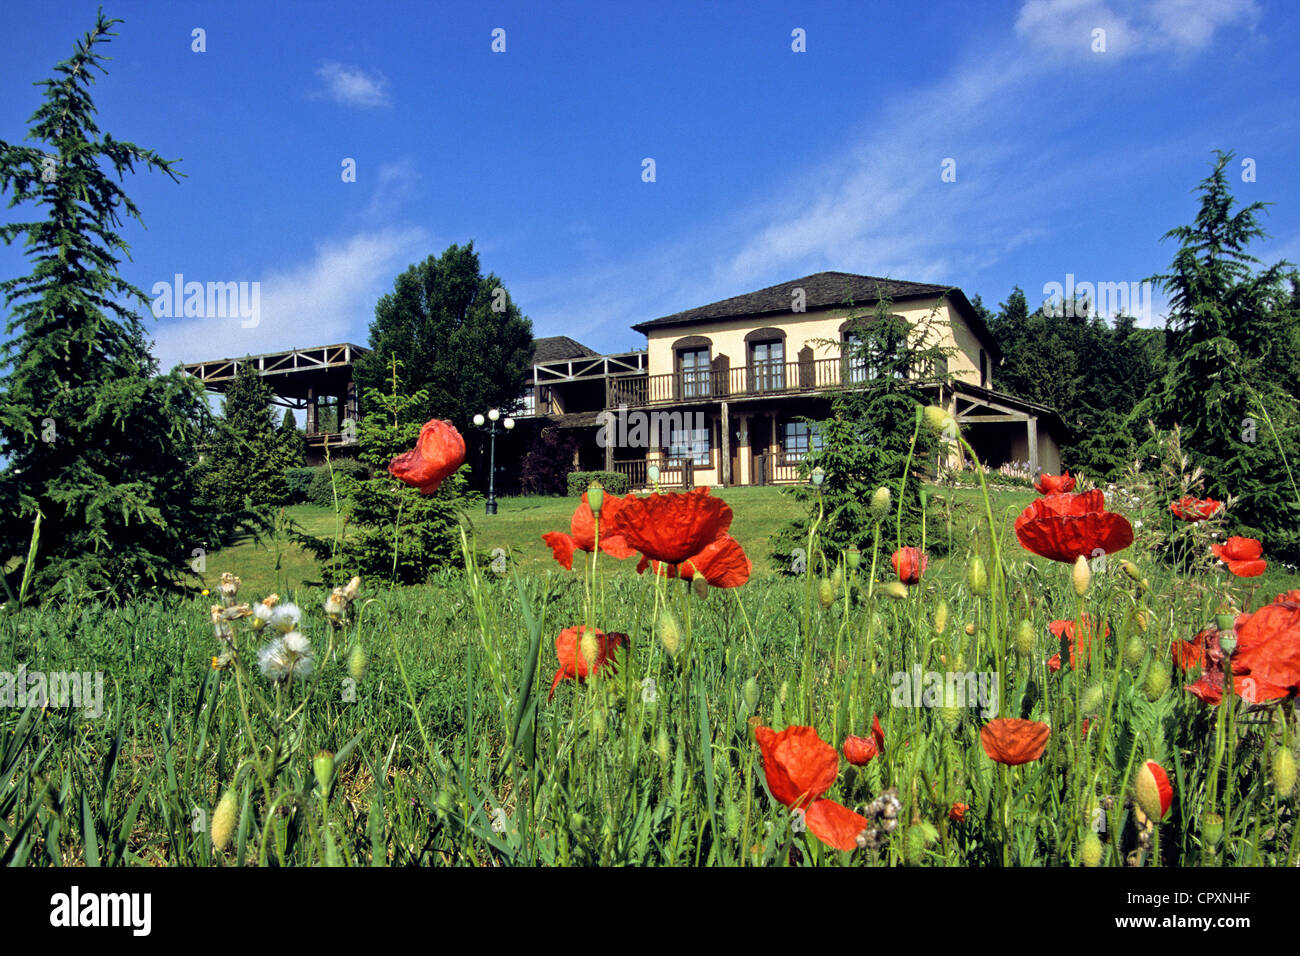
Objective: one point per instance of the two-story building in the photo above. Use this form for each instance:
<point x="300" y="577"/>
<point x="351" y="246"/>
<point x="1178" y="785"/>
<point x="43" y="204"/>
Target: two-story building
<point x="722" y="392"/>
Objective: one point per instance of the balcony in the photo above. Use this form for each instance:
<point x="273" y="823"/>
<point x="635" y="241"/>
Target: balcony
<point x="750" y="381"/>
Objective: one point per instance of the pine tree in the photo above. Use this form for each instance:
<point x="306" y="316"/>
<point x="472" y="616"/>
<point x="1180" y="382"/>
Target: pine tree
<point x="1231" y="337"/>
<point x="96" y="442"/>
<point x="247" y="453"/>
<point x="394" y="533"/>
<point x="871" y="437"/>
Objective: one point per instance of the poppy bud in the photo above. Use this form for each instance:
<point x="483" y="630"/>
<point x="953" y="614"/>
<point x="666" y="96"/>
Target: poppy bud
<point x="825" y="593"/>
<point x="1026" y="639"/>
<point x="970" y="630"/>
<point x="1142" y="617"/>
<point x="1157" y="683"/>
<point x="1091" y="699"/>
<point x="913" y="846"/>
<point x="977" y="578"/>
<point x="895" y="589"/>
<point x="357" y="663"/>
<point x="1283" y="771"/>
<point x="1154" y="792"/>
<point x="837" y="579"/>
<point x="662" y="747"/>
<point x="1212" y="829"/>
<point x="751" y="695"/>
<point x="731" y="819"/>
<point x="853" y="558"/>
<point x="880" y="501"/>
<point x="940" y="422"/>
<point x="700" y="585"/>
<point x="223" y="819"/>
<point x="1090" y="850"/>
<point x="670" y="634"/>
<point x="322" y="765"/>
<point x="589" y="645"/>
<point x="598" y="723"/>
<point x="1082" y="575"/>
<point x="652" y="474"/>
<point x="1135" y="651"/>
<point x="595" y="497"/>
<point x="444" y="801"/>
<point x="1228" y="641"/>
<point x="941" y="616"/>
<point x="1131" y="570"/>
<point x="784" y="691"/>
<point x="1225" y="622"/>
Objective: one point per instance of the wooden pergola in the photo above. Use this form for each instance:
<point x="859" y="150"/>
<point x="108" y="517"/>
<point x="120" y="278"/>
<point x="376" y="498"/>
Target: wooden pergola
<point x="301" y="379"/>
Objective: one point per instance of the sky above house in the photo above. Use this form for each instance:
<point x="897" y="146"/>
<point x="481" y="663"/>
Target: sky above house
<point x="982" y="146"/>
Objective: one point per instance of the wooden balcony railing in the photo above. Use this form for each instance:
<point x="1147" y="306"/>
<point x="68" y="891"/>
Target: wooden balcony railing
<point x="767" y="378"/>
<point x="673" y="472"/>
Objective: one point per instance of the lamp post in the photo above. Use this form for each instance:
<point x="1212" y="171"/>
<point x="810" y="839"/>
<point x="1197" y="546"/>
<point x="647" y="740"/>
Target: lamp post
<point x="492" y="417"/>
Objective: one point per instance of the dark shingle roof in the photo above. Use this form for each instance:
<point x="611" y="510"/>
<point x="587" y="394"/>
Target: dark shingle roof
<point x="556" y="348"/>
<point x="821" y="290"/>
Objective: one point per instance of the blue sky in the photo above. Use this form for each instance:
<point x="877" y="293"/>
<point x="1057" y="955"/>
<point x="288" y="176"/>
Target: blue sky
<point x="769" y="163"/>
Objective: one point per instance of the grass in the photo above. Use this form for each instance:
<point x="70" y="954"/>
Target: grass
<point x="447" y="749"/>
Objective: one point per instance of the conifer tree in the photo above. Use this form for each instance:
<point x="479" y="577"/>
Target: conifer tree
<point x="248" y="453"/>
<point x="94" y="440"/>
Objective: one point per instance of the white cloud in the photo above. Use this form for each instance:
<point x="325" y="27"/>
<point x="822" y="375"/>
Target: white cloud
<point x="328" y="299"/>
<point x="353" y="86"/>
<point x="1065" y="27"/>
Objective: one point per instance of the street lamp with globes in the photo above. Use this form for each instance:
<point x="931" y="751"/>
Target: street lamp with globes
<point x="493" y="416"/>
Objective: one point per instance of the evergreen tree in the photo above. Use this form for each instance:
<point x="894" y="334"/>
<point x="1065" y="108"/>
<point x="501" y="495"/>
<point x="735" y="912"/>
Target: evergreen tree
<point x="395" y="533"/>
<point x="871" y="438"/>
<point x="247" y="453"/>
<point x="94" y="440"/>
<point x="1231" y="334"/>
<point x="292" y="443"/>
<point x="463" y="341"/>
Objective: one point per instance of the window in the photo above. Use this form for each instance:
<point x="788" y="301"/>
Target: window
<point x="693" y="364"/>
<point x="767" y="359"/>
<point x="529" y="401"/>
<point x="855" y="363"/>
<point x="692" y="443"/>
<point x="799" y="438"/>
<point x="984" y="369"/>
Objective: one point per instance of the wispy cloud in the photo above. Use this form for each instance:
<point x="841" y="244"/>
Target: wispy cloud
<point x="330" y="298"/>
<point x="1066" y="28"/>
<point x="352" y="85"/>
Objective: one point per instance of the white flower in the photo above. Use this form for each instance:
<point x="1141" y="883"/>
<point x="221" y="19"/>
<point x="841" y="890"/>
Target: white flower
<point x="261" y="616"/>
<point x="288" y="656"/>
<point x="284" y="617"/>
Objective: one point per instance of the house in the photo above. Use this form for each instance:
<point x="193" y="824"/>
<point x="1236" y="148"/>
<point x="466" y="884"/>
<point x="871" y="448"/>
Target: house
<point x="721" y="393"/>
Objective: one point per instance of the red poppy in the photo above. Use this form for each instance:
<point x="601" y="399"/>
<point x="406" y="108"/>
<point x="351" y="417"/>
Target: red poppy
<point x="1265" y="662"/>
<point x="1189" y="654"/>
<point x="1292" y="596"/>
<point x="1155" y="794"/>
<point x="573" y="663"/>
<point x="1189" y="508"/>
<point x="583" y="538"/>
<point x="439" y="451"/>
<point x="1241" y="555"/>
<point x="722" y="562"/>
<point x="1012" y="741"/>
<point x="1082" y="642"/>
<point x="800" y="767"/>
<point x="958" y="812"/>
<point x="1054" y="484"/>
<point x="860" y="751"/>
<point x="908" y="564"/>
<point x="672" y="527"/>
<point x="1063" y="527"/>
<point x="1083" y="728"/>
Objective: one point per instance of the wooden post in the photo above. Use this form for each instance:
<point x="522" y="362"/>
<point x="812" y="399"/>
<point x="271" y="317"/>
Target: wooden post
<point x="726" y="446"/>
<point x="1031" y="429"/>
<point x="311" y="410"/>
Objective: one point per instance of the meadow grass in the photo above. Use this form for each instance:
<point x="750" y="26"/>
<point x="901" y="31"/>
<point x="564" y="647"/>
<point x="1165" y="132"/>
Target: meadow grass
<point x="447" y="750"/>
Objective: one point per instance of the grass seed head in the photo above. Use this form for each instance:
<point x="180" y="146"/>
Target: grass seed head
<point x="223" y="819"/>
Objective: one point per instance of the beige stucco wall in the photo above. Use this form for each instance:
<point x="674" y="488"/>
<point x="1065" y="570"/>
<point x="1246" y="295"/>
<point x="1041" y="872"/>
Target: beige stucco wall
<point x="813" y="329"/>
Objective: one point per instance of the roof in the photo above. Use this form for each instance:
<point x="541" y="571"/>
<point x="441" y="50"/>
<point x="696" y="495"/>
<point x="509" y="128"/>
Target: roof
<point x="823" y="290"/>
<point x="555" y="348"/>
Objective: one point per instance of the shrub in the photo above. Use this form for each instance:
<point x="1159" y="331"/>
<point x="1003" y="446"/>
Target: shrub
<point x="321" y="492"/>
<point x="299" y="482"/>
<point x="616" y="483"/>
<point x="549" y="458"/>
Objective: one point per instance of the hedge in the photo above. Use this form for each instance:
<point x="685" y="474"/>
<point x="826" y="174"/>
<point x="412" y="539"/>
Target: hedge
<point x="321" y="491"/>
<point x="615" y="482"/>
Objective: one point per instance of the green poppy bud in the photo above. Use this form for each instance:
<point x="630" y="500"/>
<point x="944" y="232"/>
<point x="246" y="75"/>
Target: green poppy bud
<point x="595" y="497"/>
<point x="977" y="578"/>
<point x="223" y="819"/>
<point x="1157" y="683"/>
<point x="1283" y="771"/>
<point x="1090" y="850"/>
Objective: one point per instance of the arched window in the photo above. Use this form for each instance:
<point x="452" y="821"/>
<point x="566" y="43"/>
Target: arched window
<point x="766" y="348"/>
<point x="692" y="364"/>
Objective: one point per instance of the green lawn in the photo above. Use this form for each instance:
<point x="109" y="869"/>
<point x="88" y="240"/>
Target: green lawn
<point x="760" y="515"/>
